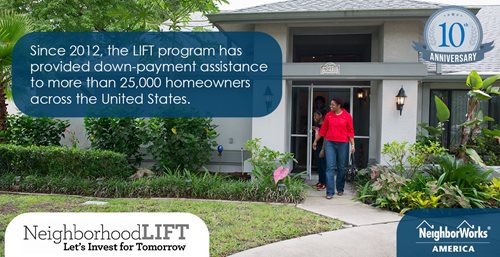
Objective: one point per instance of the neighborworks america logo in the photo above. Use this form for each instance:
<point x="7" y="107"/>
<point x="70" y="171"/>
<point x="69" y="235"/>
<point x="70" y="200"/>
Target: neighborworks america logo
<point x="449" y="232"/>
<point x="463" y="238"/>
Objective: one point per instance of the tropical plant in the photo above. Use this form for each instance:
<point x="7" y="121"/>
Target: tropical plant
<point x="493" y="191"/>
<point x="479" y="91"/>
<point x="464" y="175"/>
<point x="365" y="193"/>
<point x="418" y="199"/>
<point x="265" y="161"/>
<point x="12" y="27"/>
<point x="388" y="190"/>
<point x="433" y="134"/>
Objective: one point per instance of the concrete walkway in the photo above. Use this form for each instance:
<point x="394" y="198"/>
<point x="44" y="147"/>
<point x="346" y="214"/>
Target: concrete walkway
<point x="368" y="232"/>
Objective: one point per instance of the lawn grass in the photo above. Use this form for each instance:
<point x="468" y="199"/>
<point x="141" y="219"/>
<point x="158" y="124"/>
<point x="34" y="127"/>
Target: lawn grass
<point x="233" y="226"/>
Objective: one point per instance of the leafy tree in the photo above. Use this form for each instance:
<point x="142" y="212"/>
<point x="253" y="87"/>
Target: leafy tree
<point x="110" y="15"/>
<point x="177" y="11"/>
<point x="12" y="27"/>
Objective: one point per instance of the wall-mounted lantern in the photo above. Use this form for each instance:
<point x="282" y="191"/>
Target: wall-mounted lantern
<point x="269" y="98"/>
<point x="400" y="100"/>
<point x="362" y="94"/>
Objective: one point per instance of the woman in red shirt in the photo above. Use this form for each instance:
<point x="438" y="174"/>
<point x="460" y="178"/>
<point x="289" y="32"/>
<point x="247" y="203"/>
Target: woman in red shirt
<point x="338" y="130"/>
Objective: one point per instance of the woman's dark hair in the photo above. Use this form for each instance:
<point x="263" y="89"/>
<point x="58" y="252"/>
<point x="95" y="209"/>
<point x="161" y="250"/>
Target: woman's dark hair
<point x="337" y="101"/>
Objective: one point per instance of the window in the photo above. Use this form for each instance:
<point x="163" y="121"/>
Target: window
<point x="456" y="100"/>
<point x="332" y="48"/>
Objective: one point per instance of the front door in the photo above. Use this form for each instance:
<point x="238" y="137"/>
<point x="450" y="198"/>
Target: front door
<point x="306" y="99"/>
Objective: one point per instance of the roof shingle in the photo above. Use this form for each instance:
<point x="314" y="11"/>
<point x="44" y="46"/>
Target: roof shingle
<point x="337" y="5"/>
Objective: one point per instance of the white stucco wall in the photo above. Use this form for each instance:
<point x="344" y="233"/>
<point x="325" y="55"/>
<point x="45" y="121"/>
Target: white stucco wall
<point x="78" y="128"/>
<point x="273" y="128"/>
<point x="397" y="47"/>
<point x="397" y="41"/>
<point x="11" y="107"/>
<point x="233" y="132"/>
<point x="393" y="126"/>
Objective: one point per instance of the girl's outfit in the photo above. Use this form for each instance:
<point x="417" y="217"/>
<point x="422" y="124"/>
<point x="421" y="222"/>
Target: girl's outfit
<point x="320" y="162"/>
<point x="336" y="129"/>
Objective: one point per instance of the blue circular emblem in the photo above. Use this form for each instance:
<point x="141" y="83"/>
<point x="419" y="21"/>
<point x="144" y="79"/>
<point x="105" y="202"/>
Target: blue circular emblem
<point x="453" y="30"/>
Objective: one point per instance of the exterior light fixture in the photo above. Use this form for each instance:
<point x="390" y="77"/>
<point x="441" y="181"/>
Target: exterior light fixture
<point x="269" y="98"/>
<point x="362" y="94"/>
<point x="400" y="100"/>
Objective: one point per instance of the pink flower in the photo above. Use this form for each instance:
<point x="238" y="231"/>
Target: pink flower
<point x="280" y="173"/>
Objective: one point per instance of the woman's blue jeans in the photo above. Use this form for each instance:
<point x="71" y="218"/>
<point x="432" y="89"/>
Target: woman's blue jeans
<point x="336" y="154"/>
<point x="321" y="164"/>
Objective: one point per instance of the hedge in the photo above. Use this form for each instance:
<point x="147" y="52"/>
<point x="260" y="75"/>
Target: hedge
<point x="198" y="186"/>
<point x="52" y="160"/>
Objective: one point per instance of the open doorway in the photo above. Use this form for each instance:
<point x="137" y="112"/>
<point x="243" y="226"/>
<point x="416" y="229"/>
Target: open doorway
<point x="304" y="101"/>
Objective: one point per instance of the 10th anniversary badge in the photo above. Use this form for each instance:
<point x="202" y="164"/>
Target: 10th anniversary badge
<point x="453" y="35"/>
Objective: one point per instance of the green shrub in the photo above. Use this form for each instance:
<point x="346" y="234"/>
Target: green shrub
<point x="121" y="135"/>
<point x="450" y="183"/>
<point x="450" y="169"/>
<point x="487" y="146"/>
<point x="493" y="192"/>
<point x="51" y="160"/>
<point x="265" y="161"/>
<point x="181" y="143"/>
<point x="460" y="184"/>
<point x="25" y="130"/>
<point x="171" y="184"/>
<point x="406" y="159"/>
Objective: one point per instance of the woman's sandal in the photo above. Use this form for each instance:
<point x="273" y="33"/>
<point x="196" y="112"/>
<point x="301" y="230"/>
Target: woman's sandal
<point x="321" y="187"/>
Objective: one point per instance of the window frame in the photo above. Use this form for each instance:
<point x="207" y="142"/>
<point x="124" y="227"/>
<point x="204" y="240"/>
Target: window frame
<point x="447" y="125"/>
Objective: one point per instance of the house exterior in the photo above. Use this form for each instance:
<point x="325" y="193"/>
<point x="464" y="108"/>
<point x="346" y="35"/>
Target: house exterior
<point x="361" y="52"/>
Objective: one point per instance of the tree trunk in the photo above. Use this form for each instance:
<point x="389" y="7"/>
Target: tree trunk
<point x="466" y="131"/>
<point x="3" y="111"/>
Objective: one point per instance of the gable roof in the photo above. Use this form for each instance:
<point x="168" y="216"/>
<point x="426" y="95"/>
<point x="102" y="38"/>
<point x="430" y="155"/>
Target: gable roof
<point x="328" y="9"/>
<point x="338" y="5"/>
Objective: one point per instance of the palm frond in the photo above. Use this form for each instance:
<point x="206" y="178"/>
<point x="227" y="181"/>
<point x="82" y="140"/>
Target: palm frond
<point x="13" y="26"/>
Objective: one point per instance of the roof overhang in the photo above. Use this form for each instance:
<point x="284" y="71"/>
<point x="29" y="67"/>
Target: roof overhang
<point x="224" y="17"/>
<point x="462" y="76"/>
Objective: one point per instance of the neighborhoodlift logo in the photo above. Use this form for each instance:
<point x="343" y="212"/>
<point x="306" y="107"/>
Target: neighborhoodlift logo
<point x="453" y="35"/>
<point x="449" y="232"/>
